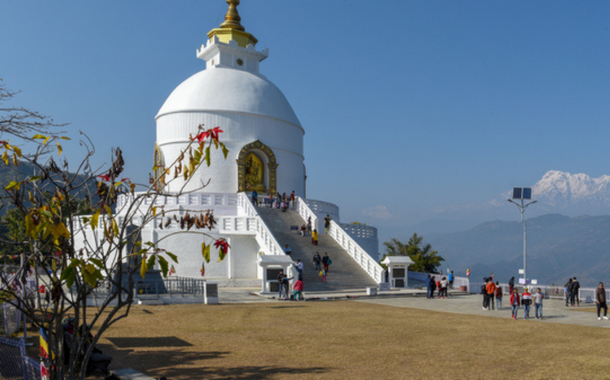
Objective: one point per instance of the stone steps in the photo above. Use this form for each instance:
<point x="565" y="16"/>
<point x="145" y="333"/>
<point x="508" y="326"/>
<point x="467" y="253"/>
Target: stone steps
<point x="344" y="272"/>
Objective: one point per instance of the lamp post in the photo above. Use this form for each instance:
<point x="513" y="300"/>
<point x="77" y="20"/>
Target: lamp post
<point x="522" y="194"/>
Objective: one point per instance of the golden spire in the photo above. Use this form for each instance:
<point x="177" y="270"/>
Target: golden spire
<point x="232" y="18"/>
<point x="232" y="29"/>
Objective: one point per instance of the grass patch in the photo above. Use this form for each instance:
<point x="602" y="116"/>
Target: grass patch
<point x="350" y="340"/>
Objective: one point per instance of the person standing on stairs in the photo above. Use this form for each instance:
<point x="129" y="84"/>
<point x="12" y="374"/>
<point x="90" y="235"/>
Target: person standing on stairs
<point x="299" y="266"/>
<point x="314" y="237"/>
<point x="326" y="223"/>
<point x="326" y="261"/>
<point x="317" y="261"/>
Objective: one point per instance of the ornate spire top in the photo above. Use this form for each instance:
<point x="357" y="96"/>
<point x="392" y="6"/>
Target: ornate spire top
<point x="232" y="19"/>
<point x="231" y="29"/>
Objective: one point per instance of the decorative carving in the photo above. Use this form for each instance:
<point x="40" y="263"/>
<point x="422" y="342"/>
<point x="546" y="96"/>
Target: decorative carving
<point x="242" y="164"/>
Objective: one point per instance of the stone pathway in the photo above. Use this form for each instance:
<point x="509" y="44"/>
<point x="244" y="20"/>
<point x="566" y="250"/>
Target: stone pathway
<point x="554" y="311"/>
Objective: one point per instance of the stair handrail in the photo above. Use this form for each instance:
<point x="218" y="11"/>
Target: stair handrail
<point x="360" y="256"/>
<point x="264" y="236"/>
<point x="306" y="212"/>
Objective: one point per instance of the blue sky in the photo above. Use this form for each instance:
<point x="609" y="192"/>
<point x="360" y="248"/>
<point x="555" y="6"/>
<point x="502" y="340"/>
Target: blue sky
<point x="407" y="105"/>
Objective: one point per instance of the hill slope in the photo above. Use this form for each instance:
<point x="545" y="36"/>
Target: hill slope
<point x="558" y="247"/>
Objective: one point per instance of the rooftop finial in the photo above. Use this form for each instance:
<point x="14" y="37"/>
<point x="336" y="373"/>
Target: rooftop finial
<point x="232" y="19"/>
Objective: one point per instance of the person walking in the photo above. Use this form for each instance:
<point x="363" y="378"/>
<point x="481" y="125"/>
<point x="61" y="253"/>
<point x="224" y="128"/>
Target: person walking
<point x="317" y="260"/>
<point x="314" y="237"/>
<point x="484" y="293"/>
<point x="298" y="289"/>
<point x="323" y="275"/>
<point x="574" y="292"/>
<point x="432" y="287"/>
<point x="451" y="275"/>
<point x="326" y="261"/>
<point x="280" y="281"/>
<point x="600" y="300"/>
<point x="429" y="287"/>
<point x="326" y="223"/>
<point x="299" y="266"/>
<point x="566" y="289"/>
<point x="514" y="302"/>
<point x="526" y="301"/>
<point x="308" y="226"/>
<point x="498" y="296"/>
<point x="511" y="285"/>
<point x="444" y="284"/>
<point x="538" y="297"/>
<point x="491" y="292"/>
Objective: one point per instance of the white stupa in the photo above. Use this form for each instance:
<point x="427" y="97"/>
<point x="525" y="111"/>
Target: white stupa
<point x="260" y="128"/>
<point x="265" y="142"/>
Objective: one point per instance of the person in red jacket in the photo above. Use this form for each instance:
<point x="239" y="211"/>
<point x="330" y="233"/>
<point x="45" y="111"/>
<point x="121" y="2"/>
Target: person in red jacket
<point x="514" y="302"/>
<point x="298" y="289"/>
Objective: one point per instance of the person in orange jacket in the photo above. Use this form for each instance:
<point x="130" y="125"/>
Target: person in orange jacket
<point x="514" y="302"/>
<point x="491" y="292"/>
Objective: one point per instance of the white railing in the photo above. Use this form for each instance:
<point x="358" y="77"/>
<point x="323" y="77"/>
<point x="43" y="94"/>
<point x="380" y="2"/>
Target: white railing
<point x="264" y="237"/>
<point x="359" y="255"/>
<point x="237" y="225"/>
<point x="194" y="199"/>
<point x="306" y="212"/>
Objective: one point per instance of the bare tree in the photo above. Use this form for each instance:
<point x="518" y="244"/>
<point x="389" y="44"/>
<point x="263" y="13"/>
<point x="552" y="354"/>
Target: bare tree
<point x="22" y="123"/>
<point x="70" y="255"/>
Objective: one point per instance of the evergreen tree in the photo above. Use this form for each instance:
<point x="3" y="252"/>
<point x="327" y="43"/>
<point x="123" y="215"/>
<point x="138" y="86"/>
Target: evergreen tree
<point x="424" y="259"/>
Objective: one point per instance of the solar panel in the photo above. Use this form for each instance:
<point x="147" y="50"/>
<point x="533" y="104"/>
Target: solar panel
<point x="527" y="193"/>
<point x="517" y="192"/>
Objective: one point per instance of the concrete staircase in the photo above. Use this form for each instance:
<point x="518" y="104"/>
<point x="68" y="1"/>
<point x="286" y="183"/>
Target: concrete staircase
<point x="344" y="272"/>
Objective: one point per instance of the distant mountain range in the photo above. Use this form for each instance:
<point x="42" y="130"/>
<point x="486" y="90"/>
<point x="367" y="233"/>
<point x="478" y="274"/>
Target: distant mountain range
<point x="558" y="247"/>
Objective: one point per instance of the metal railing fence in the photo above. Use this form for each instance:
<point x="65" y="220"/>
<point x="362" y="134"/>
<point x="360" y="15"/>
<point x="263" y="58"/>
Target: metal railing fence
<point x="14" y="364"/>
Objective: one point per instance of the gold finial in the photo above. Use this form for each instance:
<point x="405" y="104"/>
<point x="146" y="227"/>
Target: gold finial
<point x="232" y="19"/>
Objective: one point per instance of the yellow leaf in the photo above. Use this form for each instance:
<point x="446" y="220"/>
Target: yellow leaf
<point x="29" y="225"/>
<point x="46" y="139"/>
<point x="115" y="227"/>
<point x="207" y="155"/>
<point x="13" y="185"/>
<point x="108" y="210"/>
<point x="15" y="162"/>
<point x="154" y="211"/>
<point x="37" y="136"/>
<point x="54" y="265"/>
<point x="94" y="220"/>
<point x="144" y="267"/>
<point x="90" y="268"/>
<point x="205" y="251"/>
<point x="59" y="149"/>
<point x="65" y="138"/>
<point x="5" y="157"/>
<point x="17" y="150"/>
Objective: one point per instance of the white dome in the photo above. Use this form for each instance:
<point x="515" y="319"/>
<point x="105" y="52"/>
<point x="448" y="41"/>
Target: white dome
<point x="228" y="90"/>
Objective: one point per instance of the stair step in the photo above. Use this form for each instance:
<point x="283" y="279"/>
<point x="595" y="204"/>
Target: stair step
<point x="344" y="272"/>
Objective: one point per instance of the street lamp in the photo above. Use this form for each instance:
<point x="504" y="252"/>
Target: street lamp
<point x="523" y="194"/>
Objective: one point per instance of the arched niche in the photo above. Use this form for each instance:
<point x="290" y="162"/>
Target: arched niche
<point x="267" y="158"/>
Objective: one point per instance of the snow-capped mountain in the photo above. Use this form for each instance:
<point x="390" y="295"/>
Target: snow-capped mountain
<point x="557" y="192"/>
<point x="565" y="191"/>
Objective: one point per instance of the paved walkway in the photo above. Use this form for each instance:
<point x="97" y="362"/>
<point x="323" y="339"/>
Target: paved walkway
<point x="554" y="311"/>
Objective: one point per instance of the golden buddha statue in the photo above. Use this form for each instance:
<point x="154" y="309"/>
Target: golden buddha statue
<point x="254" y="173"/>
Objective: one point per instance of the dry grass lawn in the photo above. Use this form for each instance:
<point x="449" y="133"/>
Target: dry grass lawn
<point x="349" y="340"/>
